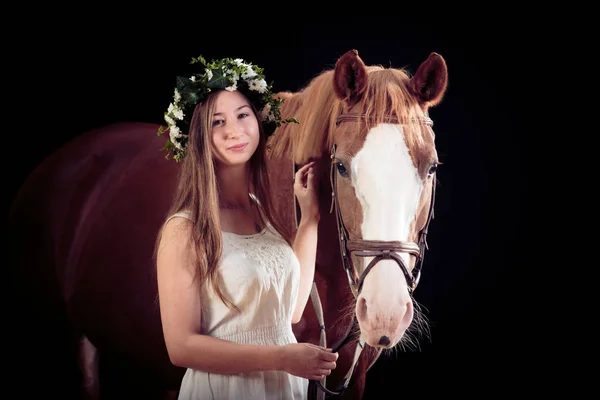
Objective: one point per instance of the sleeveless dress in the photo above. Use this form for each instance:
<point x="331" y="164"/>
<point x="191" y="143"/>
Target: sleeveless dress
<point x="261" y="274"/>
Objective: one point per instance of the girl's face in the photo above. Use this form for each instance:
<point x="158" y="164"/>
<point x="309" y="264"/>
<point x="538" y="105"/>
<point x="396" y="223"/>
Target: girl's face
<point x="235" y="133"/>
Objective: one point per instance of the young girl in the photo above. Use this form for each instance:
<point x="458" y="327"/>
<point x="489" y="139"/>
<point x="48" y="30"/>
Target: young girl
<point x="230" y="285"/>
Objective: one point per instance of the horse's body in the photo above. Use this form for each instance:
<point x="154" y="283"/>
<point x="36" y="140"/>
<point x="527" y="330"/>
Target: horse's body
<point x="85" y="251"/>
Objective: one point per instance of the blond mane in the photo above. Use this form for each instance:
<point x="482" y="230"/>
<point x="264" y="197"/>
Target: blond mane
<point x="317" y="107"/>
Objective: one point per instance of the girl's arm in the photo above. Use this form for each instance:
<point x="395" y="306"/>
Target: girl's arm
<point x="305" y="247"/>
<point x="305" y="242"/>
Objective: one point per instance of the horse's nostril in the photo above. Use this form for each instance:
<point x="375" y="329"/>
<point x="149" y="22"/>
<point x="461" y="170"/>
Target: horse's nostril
<point x="361" y="309"/>
<point x="384" y="341"/>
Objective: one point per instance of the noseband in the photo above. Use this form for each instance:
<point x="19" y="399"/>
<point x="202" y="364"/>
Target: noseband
<point x="378" y="249"/>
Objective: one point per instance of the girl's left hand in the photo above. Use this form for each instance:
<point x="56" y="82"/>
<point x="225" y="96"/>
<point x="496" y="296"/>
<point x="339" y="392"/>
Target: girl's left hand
<point x="306" y="192"/>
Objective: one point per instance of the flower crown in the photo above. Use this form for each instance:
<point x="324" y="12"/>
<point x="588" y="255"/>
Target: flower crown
<point x="229" y="74"/>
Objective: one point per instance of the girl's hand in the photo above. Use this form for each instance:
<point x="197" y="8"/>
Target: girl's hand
<point x="306" y="192"/>
<point x="308" y="361"/>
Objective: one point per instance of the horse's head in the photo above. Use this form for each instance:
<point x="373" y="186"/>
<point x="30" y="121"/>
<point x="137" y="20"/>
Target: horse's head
<point x="372" y="123"/>
<point x="384" y="162"/>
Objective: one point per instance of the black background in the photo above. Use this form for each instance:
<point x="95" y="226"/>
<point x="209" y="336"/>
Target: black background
<point x="84" y="74"/>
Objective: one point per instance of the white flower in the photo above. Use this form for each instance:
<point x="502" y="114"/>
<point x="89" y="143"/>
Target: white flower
<point x="175" y="111"/>
<point x="169" y="120"/>
<point x="177" y="96"/>
<point x="209" y="74"/>
<point x="232" y="87"/>
<point x="249" y="73"/>
<point x="177" y="144"/>
<point x="193" y="78"/>
<point x="234" y="75"/>
<point x="178" y="113"/>
<point x="267" y="114"/>
<point x="174" y="134"/>
<point x="258" y="85"/>
<point x="264" y="113"/>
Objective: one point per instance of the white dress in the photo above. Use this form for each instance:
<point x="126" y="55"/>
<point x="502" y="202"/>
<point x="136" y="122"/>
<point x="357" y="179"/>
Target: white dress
<point x="261" y="274"/>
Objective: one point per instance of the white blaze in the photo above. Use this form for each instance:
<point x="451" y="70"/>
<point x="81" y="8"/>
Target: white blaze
<point x="387" y="185"/>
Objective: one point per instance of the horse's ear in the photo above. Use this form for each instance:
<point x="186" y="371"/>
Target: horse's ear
<point x="350" y="77"/>
<point x="431" y="80"/>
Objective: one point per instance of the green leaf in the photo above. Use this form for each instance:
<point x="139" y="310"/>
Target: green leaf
<point x="182" y="82"/>
<point x="198" y="59"/>
<point x="190" y="97"/>
<point x="190" y="94"/>
<point x="218" y="80"/>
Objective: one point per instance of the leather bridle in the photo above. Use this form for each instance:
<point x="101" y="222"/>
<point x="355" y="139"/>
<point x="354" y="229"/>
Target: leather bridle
<point x="378" y="249"/>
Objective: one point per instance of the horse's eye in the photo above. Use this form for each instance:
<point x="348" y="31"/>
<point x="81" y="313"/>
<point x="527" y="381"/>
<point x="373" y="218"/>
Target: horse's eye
<point x="341" y="169"/>
<point x="433" y="168"/>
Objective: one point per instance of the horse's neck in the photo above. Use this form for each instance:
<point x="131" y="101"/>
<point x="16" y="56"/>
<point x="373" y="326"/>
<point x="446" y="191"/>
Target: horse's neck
<point x="329" y="247"/>
<point x="281" y="173"/>
<point x="328" y="253"/>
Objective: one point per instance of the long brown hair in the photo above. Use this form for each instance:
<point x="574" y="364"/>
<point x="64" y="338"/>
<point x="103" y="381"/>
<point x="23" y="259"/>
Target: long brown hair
<point x="197" y="193"/>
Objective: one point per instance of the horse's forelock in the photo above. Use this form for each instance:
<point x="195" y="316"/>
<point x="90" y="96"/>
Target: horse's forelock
<point x="388" y="95"/>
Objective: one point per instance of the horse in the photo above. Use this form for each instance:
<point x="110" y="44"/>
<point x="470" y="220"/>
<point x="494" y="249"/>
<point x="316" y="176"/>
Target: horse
<point x="84" y="223"/>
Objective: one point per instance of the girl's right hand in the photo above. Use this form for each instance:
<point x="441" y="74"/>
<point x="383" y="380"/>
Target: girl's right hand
<point x="305" y="190"/>
<point x="308" y="361"/>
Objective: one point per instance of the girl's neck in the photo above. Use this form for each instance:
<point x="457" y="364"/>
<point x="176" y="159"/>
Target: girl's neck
<point x="234" y="188"/>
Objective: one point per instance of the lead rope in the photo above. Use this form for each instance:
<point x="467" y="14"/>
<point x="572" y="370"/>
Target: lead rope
<point x="316" y="300"/>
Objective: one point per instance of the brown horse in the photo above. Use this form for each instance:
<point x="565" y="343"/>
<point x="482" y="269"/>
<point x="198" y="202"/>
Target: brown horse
<point x="84" y="224"/>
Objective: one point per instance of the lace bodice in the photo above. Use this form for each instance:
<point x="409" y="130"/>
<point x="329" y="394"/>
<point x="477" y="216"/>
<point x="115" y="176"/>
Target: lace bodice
<point x="262" y="248"/>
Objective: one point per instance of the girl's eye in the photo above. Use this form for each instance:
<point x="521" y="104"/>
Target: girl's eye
<point x="217" y="122"/>
<point x="243" y="115"/>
